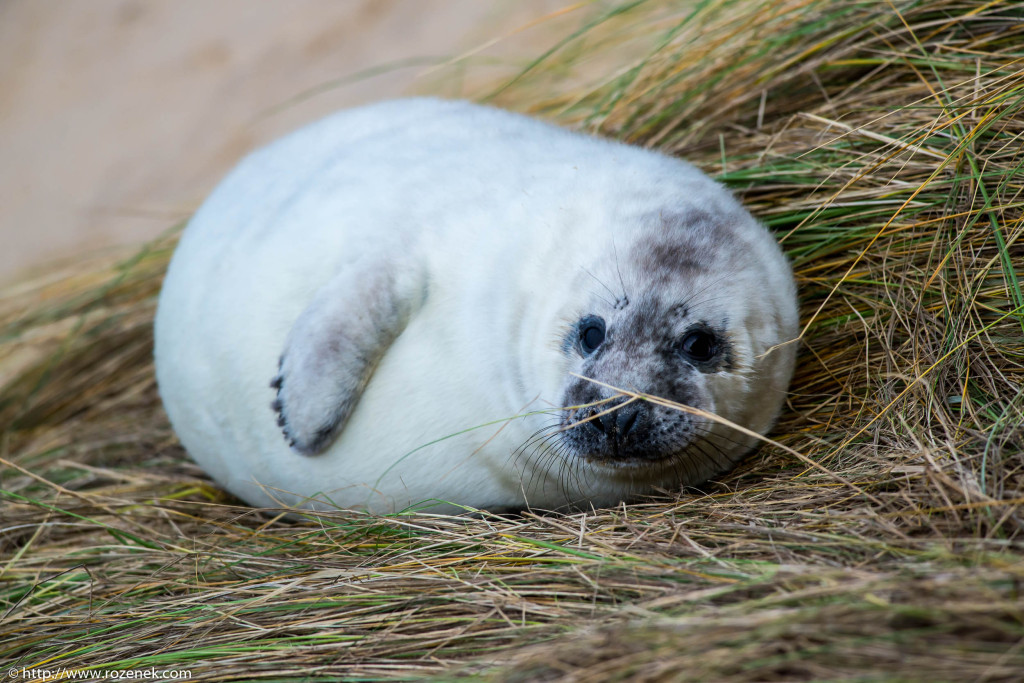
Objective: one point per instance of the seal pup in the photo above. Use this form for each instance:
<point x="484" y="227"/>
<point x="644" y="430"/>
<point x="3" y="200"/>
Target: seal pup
<point x="426" y="301"/>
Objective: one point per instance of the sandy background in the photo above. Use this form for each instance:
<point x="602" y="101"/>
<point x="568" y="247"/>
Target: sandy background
<point x="118" y="116"/>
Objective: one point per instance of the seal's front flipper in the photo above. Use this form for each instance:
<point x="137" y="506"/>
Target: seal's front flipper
<point x="334" y="346"/>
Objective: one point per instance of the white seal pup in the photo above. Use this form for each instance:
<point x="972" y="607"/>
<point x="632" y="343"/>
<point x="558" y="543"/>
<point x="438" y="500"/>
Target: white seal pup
<point x="406" y="303"/>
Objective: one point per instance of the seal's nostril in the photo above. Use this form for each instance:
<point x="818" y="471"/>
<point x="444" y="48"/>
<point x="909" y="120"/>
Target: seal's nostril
<point x="594" y="420"/>
<point x="626" y="419"/>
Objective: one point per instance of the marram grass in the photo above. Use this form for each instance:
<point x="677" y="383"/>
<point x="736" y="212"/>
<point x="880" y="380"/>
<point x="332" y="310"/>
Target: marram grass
<point x="882" y="142"/>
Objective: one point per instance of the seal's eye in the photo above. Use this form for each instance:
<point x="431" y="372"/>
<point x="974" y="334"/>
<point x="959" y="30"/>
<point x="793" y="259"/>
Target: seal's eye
<point x="591" y="334"/>
<point x="699" y="345"/>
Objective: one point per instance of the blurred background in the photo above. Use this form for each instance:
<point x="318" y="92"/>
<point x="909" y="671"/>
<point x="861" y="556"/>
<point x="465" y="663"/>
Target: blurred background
<point x="117" y="117"/>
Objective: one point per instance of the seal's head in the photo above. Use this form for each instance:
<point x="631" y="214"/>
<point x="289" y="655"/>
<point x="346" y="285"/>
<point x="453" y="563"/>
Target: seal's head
<point x="699" y="320"/>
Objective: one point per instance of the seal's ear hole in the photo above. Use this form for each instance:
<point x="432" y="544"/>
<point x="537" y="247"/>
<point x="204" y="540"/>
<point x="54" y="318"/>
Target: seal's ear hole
<point x="699" y="345"/>
<point x="591" y="334"/>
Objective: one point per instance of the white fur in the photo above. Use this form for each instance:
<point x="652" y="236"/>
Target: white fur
<point x="500" y="220"/>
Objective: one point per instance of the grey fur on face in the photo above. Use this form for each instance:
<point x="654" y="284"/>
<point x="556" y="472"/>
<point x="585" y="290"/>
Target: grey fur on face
<point x="642" y="352"/>
<point x="660" y="345"/>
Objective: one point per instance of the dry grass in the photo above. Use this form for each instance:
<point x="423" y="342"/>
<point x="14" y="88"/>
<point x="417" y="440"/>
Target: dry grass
<point x="883" y="142"/>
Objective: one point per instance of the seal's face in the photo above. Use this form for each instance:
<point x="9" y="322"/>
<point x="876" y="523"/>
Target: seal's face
<point x="688" y="328"/>
<point x="651" y="346"/>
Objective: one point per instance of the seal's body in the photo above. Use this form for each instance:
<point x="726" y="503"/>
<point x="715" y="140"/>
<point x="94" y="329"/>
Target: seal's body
<point x="408" y="302"/>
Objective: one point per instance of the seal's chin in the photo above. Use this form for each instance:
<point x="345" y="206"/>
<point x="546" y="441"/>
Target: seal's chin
<point x="652" y="463"/>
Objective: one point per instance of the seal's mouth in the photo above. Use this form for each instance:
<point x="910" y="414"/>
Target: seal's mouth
<point x="626" y="433"/>
<point x="654" y="463"/>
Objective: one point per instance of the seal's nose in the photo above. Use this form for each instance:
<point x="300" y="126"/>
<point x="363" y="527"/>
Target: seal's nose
<point x="625" y="418"/>
<point x="615" y="423"/>
<point x="594" y="420"/>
